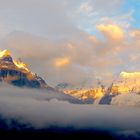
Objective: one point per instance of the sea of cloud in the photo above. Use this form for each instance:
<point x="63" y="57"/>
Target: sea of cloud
<point x="42" y="110"/>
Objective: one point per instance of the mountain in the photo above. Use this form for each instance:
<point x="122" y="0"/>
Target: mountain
<point x="126" y="83"/>
<point x="16" y="73"/>
<point x="88" y="95"/>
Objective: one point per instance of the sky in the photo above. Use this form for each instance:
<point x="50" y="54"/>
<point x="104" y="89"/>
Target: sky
<point x="78" y="42"/>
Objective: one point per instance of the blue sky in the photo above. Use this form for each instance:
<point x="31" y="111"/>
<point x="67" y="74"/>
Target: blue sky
<point x="133" y="5"/>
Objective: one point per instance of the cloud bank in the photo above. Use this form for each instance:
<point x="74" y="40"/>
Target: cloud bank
<point x="33" y="108"/>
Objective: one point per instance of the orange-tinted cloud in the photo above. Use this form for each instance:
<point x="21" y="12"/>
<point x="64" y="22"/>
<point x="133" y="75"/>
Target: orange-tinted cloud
<point x="61" y="62"/>
<point x="135" y="34"/>
<point x="113" y="32"/>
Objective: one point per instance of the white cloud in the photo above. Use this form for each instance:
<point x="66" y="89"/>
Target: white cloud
<point x="86" y="8"/>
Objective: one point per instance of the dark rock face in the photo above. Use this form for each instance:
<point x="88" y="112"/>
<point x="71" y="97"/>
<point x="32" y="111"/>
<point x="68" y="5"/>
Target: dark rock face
<point x="5" y="72"/>
<point x="20" y="79"/>
<point x="106" y="99"/>
<point x="25" y="82"/>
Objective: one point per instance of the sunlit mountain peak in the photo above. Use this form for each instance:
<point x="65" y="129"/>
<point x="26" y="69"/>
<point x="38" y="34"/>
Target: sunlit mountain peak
<point x="4" y="53"/>
<point x="129" y="74"/>
<point x="20" y="64"/>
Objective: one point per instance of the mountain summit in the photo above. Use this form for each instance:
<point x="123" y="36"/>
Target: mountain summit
<point x="16" y="72"/>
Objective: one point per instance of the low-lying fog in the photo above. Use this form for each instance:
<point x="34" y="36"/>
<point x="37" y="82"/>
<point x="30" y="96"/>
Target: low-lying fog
<point x="34" y="108"/>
